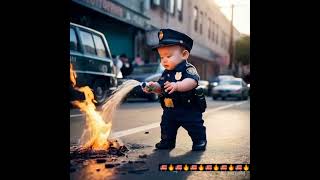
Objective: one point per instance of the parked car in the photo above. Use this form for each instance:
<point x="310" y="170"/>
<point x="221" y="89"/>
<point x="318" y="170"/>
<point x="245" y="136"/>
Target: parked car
<point x="91" y="59"/>
<point x="217" y="80"/>
<point x="145" y="73"/>
<point x="205" y="86"/>
<point x="235" y="87"/>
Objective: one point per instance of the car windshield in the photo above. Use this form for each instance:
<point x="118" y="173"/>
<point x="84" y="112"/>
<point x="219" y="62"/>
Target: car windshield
<point x="147" y="69"/>
<point x="225" y="77"/>
<point x="233" y="82"/>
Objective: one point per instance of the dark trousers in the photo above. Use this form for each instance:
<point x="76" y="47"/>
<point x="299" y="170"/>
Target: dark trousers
<point x="190" y="120"/>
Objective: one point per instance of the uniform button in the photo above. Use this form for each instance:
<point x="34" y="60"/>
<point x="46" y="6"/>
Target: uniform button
<point x="188" y="100"/>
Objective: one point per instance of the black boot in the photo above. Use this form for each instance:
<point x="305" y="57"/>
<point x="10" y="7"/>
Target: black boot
<point x="166" y="145"/>
<point x="199" y="145"/>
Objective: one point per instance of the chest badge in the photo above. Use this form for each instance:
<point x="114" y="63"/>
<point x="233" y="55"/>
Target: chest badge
<point x="168" y="102"/>
<point x="178" y="76"/>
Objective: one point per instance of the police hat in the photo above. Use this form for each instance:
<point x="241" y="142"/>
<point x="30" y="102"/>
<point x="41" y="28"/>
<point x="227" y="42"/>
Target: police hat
<point x="169" y="37"/>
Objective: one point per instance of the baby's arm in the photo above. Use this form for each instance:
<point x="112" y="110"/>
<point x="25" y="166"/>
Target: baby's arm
<point x="181" y="86"/>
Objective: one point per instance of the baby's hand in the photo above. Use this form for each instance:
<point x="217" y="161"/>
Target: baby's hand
<point x="170" y="86"/>
<point x="150" y="88"/>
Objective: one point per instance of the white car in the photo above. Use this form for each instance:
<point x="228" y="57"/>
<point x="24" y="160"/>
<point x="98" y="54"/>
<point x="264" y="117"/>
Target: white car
<point x="235" y="87"/>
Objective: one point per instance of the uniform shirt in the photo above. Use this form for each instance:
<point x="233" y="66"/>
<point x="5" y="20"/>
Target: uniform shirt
<point x="182" y="71"/>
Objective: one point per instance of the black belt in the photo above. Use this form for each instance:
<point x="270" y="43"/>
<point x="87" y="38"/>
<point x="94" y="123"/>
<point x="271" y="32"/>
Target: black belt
<point x="179" y="102"/>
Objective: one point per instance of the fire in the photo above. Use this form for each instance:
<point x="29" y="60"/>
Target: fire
<point x="216" y="168"/>
<point x="186" y="168"/>
<point x="97" y="131"/>
<point x="201" y="167"/>
<point x="231" y="168"/>
<point x="246" y="168"/>
<point x="73" y="76"/>
<point x="98" y="125"/>
<point x="171" y="167"/>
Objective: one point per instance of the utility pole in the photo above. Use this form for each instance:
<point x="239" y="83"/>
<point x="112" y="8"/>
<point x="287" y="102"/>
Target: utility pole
<point x="231" y="41"/>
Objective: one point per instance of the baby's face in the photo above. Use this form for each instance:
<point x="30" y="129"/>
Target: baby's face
<point x="170" y="56"/>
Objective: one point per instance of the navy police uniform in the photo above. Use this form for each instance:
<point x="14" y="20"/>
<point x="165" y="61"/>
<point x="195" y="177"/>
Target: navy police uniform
<point x="180" y="108"/>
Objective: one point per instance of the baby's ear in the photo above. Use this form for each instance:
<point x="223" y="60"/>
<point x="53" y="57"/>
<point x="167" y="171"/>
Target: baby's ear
<point x="185" y="54"/>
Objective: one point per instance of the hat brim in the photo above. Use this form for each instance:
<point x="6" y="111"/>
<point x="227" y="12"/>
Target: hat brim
<point x="163" y="45"/>
<point x="168" y="42"/>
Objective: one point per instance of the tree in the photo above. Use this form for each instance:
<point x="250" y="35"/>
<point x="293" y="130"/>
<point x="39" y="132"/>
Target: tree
<point x="243" y="50"/>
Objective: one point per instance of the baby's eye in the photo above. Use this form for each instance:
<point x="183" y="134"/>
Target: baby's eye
<point x="169" y="56"/>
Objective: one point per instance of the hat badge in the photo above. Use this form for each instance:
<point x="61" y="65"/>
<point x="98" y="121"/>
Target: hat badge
<point x="160" y="35"/>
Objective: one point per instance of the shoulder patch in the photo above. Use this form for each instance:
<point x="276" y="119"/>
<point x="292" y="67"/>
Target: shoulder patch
<point x="192" y="70"/>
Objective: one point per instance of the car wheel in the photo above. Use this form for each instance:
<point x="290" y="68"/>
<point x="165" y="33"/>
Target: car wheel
<point x="223" y="98"/>
<point x="241" y="97"/>
<point x="100" y="91"/>
<point x="214" y="98"/>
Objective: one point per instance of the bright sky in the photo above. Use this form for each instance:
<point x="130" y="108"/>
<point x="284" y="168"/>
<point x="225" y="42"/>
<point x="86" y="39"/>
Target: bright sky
<point x="241" y="13"/>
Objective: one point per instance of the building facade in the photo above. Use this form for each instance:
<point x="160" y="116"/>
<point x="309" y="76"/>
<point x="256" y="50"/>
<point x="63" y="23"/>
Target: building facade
<point x="131" y="27"/>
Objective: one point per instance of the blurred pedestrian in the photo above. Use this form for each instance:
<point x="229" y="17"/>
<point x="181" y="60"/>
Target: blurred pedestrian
<point x="138" y="61"/>
<point x="118" y="65"/>
<point x="127" y="67"/>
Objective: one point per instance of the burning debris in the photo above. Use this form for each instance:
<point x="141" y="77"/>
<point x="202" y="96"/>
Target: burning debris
<point x="94" y="146"/>
<point x="143" y="156"/>
<point x="101" y="161"/>
<point x="112" y="165"/>
<point x="94" y="139"/>
<point x="79" y="152"/>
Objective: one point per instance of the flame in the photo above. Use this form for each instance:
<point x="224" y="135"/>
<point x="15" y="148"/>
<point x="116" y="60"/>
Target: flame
<point x="216" y="168"/>
<point x="186" y="168"/>
<point x="171" y="167"/>
<point x="96" y="129"/>
<point x="201" y="167"/>
<point x="246" y="167"/>
<point x="73" y="76"/>
<point x="231" y="168"/>
<point x="98" y="125"/>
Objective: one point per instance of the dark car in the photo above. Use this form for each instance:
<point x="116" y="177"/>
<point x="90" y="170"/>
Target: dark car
<point x="145" y="73"/>
<point x="235" y="87"/>
<point x="91" y="59"/>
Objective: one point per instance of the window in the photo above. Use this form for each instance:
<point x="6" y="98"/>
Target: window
<point x="217" y="34"/>
<point x="227" y="37"/>
<point x="73" y="40"/>
<point x="209" y="30"/>
<point x="195" y="15"/>
<point x="87" y="42"/>
<point x="100" y="48"/>
<point x="201" y="17"/>
<point x="156" y="2"/>
<point x="171" y="6"/>
<point x="222" y="40"/>
<point x="231" y="82"/>
<point x="213" y="29"/>
<point x="179" y="9"/>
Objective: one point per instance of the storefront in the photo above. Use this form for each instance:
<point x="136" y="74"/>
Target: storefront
<point x="205" y="60"/>
<point x="123" y="27"/>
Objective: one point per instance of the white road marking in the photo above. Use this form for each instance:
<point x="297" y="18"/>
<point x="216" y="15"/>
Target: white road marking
<point x="157" y="124"/>
<point x="76" y="115"/>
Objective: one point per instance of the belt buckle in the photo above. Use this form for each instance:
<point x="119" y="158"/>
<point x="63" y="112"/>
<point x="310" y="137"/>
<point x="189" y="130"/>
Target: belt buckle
<point x="168" y="102"/>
